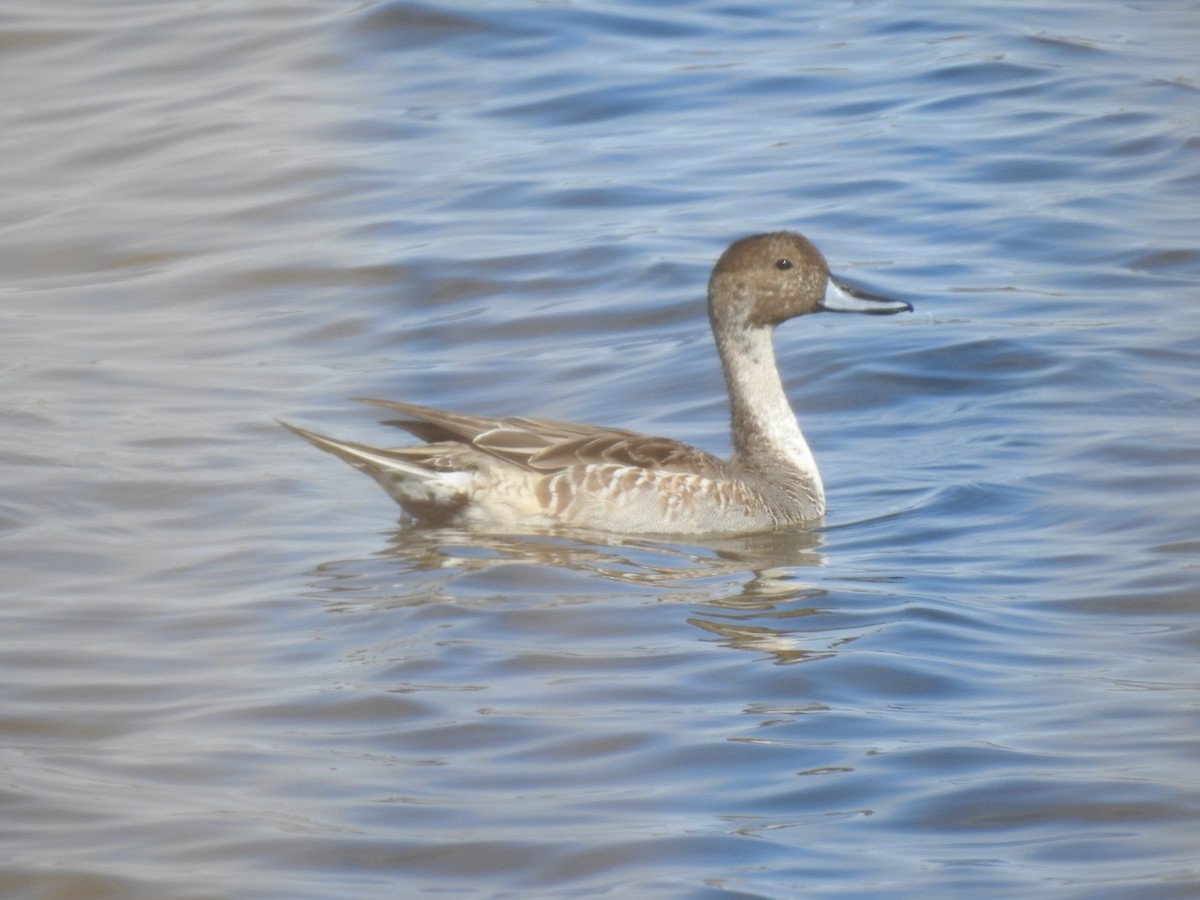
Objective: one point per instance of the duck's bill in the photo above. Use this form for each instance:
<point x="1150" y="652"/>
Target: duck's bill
<point x="843" y="297"/>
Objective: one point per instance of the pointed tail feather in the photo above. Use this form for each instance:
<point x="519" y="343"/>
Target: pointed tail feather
<point x="372" y="460"/>
<point x="431" y="494"/>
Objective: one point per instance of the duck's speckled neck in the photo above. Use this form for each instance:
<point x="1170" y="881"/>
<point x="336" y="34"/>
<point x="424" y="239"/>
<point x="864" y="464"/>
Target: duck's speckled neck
<point x="767" y="440"/>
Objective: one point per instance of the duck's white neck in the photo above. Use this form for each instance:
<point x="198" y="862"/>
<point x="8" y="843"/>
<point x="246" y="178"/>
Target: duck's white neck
<point x="766" y="436"/>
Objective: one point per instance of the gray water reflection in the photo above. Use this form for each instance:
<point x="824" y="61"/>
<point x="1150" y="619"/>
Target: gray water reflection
<point x="759" y="565"/>
<point x="755" y="578"/>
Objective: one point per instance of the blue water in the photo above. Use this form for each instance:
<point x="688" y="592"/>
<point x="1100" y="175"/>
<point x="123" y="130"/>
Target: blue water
<point x="228" y="669"/>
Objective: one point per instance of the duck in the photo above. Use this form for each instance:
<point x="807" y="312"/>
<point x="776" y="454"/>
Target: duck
<point x="519" y="473"/>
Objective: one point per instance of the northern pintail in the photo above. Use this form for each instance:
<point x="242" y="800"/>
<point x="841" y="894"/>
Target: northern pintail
<point x="516" y="472"/>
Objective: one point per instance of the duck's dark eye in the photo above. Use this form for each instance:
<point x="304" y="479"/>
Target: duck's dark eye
<point x="783" y="264"/>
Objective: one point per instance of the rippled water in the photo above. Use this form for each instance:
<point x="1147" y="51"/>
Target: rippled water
<point x="229" y="671"/>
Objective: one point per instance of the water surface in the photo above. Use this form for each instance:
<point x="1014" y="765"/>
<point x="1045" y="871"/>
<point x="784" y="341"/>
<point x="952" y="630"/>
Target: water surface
<point x="230" y="670"/>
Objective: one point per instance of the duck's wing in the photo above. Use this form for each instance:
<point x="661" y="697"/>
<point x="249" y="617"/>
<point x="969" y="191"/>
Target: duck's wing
<point x="549" y="445"/>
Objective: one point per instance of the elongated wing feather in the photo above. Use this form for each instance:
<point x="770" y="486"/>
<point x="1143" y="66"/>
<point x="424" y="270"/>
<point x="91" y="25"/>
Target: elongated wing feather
<point x="549" y="445"/>
<point x="435" y="424"/>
